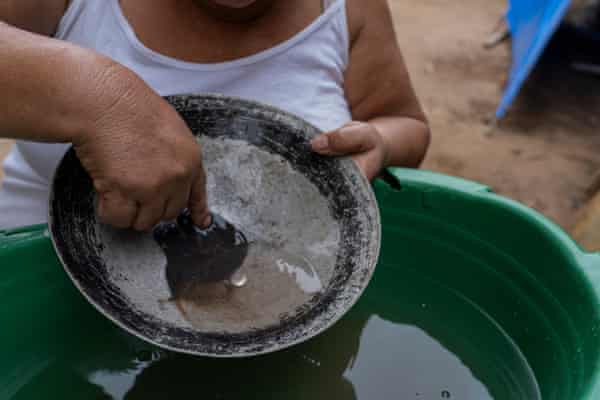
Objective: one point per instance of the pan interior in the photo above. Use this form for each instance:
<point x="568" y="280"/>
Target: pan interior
<point x="312" y="224"/>
<point x="294" y="240"/>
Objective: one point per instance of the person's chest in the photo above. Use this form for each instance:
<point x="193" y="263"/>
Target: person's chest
<point x="183" y="30"/>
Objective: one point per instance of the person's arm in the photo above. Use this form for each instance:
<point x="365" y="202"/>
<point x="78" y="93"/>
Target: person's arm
<point x="144" y="161"/>
<point x="389" y="127"/>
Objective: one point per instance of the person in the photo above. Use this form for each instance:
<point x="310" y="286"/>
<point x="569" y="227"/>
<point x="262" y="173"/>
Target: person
<point x="92" y="73"/>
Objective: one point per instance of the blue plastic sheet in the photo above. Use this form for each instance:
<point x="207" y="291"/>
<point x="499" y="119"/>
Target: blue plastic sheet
<point x="532" y="24"/>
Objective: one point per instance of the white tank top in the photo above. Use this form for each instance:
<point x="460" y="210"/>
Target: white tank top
<point x="303" y="75"/>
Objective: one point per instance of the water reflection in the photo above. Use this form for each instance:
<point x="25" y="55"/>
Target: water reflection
<point x="316" y="369"/>
<point x="362" y="357"/>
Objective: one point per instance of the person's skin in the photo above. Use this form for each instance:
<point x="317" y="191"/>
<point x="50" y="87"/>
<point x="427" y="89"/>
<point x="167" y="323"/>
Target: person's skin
<point x="141" y="156"/>
<point x="389" y="127"/>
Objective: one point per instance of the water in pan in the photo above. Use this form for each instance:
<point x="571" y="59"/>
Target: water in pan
<point x="215" y="272"/>
<point x="275" y="283"/>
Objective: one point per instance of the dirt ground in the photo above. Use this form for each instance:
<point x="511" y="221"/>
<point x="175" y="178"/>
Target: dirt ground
<point x="544" y="154"/>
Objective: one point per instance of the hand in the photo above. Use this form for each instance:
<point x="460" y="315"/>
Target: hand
<point x="145" y="163"/>
<point x="359" y="140"/>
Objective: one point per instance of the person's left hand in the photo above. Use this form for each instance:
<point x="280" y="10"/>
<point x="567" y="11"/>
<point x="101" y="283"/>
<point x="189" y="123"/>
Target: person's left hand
<point x="360" y="140"/>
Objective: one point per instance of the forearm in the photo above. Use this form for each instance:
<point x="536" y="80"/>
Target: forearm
<point x="406" y="140"/>
<point x="49" y="89"/>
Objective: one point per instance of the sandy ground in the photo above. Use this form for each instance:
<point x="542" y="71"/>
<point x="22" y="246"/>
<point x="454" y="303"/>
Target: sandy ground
<point x="545" y="154"/>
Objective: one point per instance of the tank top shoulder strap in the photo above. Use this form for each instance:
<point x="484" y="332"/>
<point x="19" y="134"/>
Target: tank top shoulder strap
<point x="341" y="25"/>
<point x="73" y="13"/>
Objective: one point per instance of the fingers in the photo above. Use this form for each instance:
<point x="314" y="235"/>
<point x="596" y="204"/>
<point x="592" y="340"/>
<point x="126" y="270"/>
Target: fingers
<point x="361" y="140"/>
<point x="362" y="163"/>
<point x="148" y="155"/>
<point x="149" y="215"/>
<point x="353" y="138"/>
<point x="198" y="205"/>
<point x="114" y="209"/>
<point x="177" y="202"/>
<point x="143" y="214"/>
<point x="367" y="164"/>
<point x="120" y="212"/>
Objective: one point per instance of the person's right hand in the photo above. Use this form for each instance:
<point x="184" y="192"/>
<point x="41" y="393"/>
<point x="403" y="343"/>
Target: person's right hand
<point x="145" y="163"/>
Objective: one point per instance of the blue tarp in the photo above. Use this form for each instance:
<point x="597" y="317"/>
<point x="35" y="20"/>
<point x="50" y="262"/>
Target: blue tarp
<point x="532" y="24"/>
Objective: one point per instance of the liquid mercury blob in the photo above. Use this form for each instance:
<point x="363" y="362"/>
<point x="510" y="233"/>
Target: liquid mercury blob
<point x="200" y="256"/>
<point x="217" y="273"/>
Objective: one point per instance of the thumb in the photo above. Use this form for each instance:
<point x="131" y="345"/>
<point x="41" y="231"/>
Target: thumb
<point x="353" y="138"/>
<point x="198" y="205"/>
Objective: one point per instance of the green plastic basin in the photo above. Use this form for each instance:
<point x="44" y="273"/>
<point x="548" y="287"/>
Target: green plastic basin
<point x="509" y="263"/>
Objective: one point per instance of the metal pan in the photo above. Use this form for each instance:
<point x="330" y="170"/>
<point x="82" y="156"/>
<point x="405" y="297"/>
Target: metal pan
<point x="263" y="178"/>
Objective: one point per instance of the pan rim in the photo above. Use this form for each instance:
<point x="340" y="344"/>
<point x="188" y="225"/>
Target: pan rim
<point x="375" y="244"/>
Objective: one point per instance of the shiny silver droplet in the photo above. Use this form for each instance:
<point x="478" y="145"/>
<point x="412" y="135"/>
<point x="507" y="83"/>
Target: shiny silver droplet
<point x="238" y="280"/>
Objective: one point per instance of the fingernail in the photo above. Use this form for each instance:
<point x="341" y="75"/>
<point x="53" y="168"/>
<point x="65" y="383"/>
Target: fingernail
<point x="320" y="143"/>
<point x="207" y="221"/>
<point x="202" y="221"/>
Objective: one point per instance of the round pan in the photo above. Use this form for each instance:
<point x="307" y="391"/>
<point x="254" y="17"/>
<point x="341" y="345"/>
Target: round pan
<point x="262" y="177"/>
